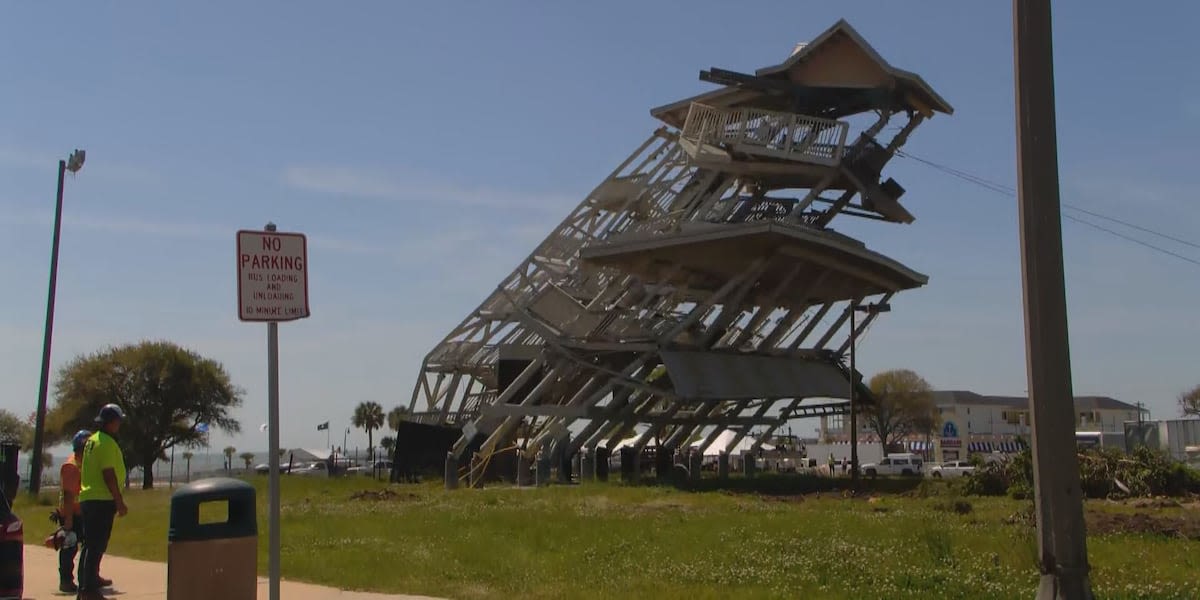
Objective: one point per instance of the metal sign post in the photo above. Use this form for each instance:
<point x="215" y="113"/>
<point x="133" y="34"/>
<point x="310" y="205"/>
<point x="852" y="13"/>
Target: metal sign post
<point x="272" y="287"/>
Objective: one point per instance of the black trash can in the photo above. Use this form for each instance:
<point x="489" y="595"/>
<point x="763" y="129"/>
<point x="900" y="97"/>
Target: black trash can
<point x="12" y="534"/>
<point x="214" y="554"/>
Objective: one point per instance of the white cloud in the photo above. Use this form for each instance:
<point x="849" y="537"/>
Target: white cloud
<point x="379" y="185"/>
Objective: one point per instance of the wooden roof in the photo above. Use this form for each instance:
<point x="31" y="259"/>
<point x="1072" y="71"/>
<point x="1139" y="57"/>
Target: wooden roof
<point x="838" y="58"/>
<point x="711" y="254"/>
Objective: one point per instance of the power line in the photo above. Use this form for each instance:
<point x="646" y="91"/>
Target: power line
<point x="1009" y="191"/>
<point x="1137" y="227"/>
<point x="1132" y="239"/>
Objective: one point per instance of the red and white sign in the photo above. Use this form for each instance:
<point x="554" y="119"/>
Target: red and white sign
<point x="272" y="276"/>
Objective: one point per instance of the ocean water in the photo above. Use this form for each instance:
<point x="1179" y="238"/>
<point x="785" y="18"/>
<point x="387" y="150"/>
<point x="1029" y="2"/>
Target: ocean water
<point x="202" y="463"/>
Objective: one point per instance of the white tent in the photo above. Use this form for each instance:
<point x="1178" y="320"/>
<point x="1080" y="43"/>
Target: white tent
<point x="723" y="441"/>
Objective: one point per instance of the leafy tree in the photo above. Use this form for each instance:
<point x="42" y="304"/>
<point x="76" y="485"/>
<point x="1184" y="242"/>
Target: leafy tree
<point x="395" y="417"/>
<point x="1189" y="402"/>
<point x="368" y="416"/>
<point x="229" y="452"/>
<point x="14" y="429"/>
<point x="248" y="458"/>
<point x="903" y="406"/>
<point x="164" y="389"/>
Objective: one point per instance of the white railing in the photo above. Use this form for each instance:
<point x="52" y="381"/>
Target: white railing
<point x="778" y="134"/>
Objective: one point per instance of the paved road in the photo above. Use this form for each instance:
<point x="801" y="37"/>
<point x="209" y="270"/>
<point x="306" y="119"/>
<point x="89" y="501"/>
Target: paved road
<point x="139" y="579"/>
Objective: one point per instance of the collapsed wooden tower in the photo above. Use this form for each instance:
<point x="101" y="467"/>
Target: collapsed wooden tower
<point x="699" y="288"/>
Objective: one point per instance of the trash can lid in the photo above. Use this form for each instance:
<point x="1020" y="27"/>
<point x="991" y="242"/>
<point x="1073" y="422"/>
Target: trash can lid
<point x="241" y="521"/>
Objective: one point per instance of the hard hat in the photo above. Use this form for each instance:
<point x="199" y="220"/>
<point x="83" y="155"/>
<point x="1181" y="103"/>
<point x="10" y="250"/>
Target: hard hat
<point x="81" y="438"/>
<point x="109" y="413"/>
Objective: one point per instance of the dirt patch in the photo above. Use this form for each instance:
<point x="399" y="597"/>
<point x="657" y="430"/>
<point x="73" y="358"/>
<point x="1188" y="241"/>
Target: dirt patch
<point x="781" y="498"/>
<point x="379" y="495"/>
<point x="1155" y="503"/>
<point x="664" y="505"/>
<point x="1101" y="523"/>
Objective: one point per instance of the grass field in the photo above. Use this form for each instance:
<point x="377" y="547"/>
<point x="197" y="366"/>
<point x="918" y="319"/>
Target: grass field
<point x="608" y="540"/>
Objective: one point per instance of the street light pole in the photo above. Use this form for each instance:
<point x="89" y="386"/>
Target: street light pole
<point x="1062" y="544"/>
<point x="853" y="403"/>
<point x="73" y="164"/>
<point x="855" y="308"/>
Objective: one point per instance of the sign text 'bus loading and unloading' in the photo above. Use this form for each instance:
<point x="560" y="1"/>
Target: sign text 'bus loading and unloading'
<point x="272" y="276"/>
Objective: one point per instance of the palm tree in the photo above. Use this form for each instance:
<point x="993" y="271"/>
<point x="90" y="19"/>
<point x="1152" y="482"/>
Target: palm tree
<point x="368" y="416"/>
<point x="188" y="457"/>
<point x="395" y="417"/>
<point x="387" y="443"/>
<point x="229" y="450"/>
<point x="248" y="457"/>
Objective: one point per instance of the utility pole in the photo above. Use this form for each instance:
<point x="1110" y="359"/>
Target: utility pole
<point x="1062" y="546"/>
<point x="855" y="308"/>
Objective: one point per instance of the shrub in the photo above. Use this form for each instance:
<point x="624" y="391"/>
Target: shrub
<point x="1145" y="472"/>
<point x="989" y="479"/>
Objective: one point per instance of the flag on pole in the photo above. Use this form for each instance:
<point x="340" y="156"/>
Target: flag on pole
<point x="323" y="426"/>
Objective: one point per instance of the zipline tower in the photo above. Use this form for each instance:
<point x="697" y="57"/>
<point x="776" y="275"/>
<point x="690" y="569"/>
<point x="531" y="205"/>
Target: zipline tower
<point x="699" y="288"/>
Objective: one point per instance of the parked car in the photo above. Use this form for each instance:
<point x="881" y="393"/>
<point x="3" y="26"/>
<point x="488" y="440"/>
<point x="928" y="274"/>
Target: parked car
<point x="316" y="469"/>
<point x="954" y="468"/>
<point x="895" y="464"/>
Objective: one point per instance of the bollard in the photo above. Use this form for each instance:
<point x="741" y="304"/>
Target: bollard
<point x="523" y="471"/>
<point x="542" y="471"/>
<point x="723" y="465"/>
<point x="695" y="463"/>
<point x="565" y="467"/>
<point x="565" y="459"/>
<point x="577" y="467"/>
<point x="662" y="464"/>
<point x="629" y="466"/>
<point x="602" y="455"/>
<point x="451" y="473"/>
<point x="587" y="466"/>
<point x="475" y="476"/>
<point x="213" y="559"/>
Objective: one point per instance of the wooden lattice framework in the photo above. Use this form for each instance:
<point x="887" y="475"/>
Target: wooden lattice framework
<point x="687" y="254"/>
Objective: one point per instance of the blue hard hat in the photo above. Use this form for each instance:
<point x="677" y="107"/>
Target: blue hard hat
<point x="81" y="438"/>
<point x="110" y="412"/>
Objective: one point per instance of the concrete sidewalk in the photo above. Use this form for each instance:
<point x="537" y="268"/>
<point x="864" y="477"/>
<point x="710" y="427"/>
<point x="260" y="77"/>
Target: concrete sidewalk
<point x="141" y="579"/>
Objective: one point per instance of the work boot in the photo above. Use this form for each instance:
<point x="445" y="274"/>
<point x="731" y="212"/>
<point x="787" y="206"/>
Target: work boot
<point x="68" y="587"/>
<point x="105" y="582"/>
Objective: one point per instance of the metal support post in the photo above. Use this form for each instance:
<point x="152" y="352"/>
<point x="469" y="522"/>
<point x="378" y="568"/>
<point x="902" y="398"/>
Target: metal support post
<point x="853" y="404"/>
<point x="451" y="471"/>
<point x="1062" y="545"/>
<point x="273" y="449"/>
<point x="39" y="426"/>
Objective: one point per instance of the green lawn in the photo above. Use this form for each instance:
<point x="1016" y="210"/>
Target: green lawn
<point x="608" y="540"/>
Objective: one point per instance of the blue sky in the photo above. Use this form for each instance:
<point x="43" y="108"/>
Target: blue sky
<point x="426" y="148"/>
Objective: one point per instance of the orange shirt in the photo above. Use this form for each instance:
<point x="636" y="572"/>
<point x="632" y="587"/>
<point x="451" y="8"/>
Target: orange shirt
<point x="71" y="481"/>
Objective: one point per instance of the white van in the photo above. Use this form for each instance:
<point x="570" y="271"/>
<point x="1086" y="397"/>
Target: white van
<point x="895" y="464"/>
